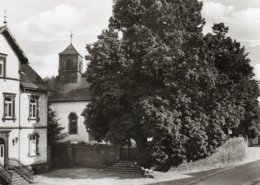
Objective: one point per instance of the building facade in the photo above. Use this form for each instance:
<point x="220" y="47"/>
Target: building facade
<point x="23" y="108"/>
<point x="72" y="96"/>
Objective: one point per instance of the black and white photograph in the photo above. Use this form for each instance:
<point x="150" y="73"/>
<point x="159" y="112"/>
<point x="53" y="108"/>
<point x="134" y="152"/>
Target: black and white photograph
<point x="130" y="92"/>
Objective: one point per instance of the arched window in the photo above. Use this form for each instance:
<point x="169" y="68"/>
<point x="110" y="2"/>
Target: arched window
<point x="73" y="123"/>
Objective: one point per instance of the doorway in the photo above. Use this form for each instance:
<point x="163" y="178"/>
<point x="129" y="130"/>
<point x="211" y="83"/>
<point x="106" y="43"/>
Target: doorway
<point x="129" y="152"/>
<point x="2" y="152"/>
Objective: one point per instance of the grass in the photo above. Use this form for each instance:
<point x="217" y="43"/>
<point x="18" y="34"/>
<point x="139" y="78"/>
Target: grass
<point x="231" y="152"/>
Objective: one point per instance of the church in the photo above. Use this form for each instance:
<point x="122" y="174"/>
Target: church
<point x="72" y="96"/>
<point x="23" y="101"/>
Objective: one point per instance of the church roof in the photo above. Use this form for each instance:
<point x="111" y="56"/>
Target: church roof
<point x="13" y="43"/>
<point x="70" y="50"/>
<point x="30" y="79"/>
<point x="80" y="94"/>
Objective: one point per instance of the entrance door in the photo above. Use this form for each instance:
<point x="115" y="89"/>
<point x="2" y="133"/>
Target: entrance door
<point x="2" y="154"/>
<point x="128" y="154"/>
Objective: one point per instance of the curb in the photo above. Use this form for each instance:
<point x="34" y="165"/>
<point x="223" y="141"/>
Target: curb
<point x="209" y="175"/>
<point x="216" y="173"/>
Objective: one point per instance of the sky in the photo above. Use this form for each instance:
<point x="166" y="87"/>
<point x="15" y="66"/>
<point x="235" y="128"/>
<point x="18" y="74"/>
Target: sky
<point x="43" y="27"/>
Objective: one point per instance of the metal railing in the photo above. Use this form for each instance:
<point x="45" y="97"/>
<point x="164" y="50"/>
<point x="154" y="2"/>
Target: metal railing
<point x="21" y="169"/>
<point x="5" y="174"/>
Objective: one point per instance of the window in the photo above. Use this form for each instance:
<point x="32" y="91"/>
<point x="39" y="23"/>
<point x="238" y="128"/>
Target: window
<point x="2" y="66"/>
<point x="73" y="123"/>
<point x="33" y="107"/>
<point x="33" y="145"/>
<point x="9" y="106"/>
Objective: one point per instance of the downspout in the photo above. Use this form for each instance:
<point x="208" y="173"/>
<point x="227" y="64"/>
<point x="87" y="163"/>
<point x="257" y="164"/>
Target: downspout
<point x="21" y="91"/>
<point x="19" y="133"/>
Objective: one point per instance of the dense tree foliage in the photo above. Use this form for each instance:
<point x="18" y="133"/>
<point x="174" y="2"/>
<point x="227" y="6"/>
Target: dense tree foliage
<point x="54" y="129"/>
<point x="52" y="84"/>
<point x="157" y="79"/>
<point x="236" y="83"/>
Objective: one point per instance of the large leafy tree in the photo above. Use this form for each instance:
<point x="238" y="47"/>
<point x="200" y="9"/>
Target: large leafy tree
<point x="237" y="87"/>
<point x="54" y="133"/>
<point x="52" y="84"/>
<point x="156" y="79"/>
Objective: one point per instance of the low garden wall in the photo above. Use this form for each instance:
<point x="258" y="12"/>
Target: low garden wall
<point x="230" y="153"/>
<point x="67" y="155"/>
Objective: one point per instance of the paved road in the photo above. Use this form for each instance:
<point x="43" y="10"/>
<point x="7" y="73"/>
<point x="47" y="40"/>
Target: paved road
<point x="247" y="174"/>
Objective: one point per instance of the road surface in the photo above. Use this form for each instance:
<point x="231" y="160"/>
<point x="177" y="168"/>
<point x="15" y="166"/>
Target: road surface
<point x="247" y="174"/>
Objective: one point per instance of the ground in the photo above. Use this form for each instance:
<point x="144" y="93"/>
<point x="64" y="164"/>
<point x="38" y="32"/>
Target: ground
<point x="83" y="176"/>
<point x="246" y="174"/>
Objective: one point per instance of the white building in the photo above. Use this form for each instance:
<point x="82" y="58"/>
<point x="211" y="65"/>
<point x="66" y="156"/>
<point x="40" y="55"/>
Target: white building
<point x="72" y="96"/>
<point x="23" y="108"/>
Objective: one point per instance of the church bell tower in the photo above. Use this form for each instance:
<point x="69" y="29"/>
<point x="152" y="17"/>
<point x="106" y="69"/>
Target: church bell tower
<point x="70" y="65"/>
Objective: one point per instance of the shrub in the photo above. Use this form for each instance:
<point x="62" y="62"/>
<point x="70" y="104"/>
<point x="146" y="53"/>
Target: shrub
<point x="232" y="151"/>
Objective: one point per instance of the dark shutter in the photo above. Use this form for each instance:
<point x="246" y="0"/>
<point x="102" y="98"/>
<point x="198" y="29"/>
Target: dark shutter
<point x="13" y="107"/>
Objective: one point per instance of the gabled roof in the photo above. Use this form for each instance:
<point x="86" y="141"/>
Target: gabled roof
<point x="30" y="79"/>
<point x="80" y="94"/>
<point x="70" y="50"/>
<point x="14" y="45"/>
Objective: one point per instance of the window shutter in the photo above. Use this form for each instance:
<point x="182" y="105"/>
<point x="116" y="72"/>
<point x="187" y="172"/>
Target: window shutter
<point x="37" y="144"/>
<point x="37" y="109"/>
<point x="4" y="67"/>
<point x="13" y="99"/>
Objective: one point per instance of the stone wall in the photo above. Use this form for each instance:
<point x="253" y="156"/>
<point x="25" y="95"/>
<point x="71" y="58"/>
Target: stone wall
<point x="83" y="155"/>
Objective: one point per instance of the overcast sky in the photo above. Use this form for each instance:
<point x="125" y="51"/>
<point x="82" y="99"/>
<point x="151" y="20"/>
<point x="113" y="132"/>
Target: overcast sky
<point x="43" y="27"/>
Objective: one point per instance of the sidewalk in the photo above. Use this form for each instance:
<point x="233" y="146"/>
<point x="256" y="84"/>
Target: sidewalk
<point x="253" y="154"/>
<point x="85" y="176"/>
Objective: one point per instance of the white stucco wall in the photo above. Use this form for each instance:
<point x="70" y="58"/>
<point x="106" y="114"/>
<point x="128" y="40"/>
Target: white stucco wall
<point x="13" y="148"/>
<point x="13" y="65"/>
<point x="21" y="127"/>
<point x="25" y="122"/>
<point x="63" y="109"/>
<point x="25" y="158"/>
<point x="29" y="127"/>
<point x="9" y="85"/>
<point x="22" y="146"/>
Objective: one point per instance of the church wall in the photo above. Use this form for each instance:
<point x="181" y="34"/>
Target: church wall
<point x="63" y="109"/>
